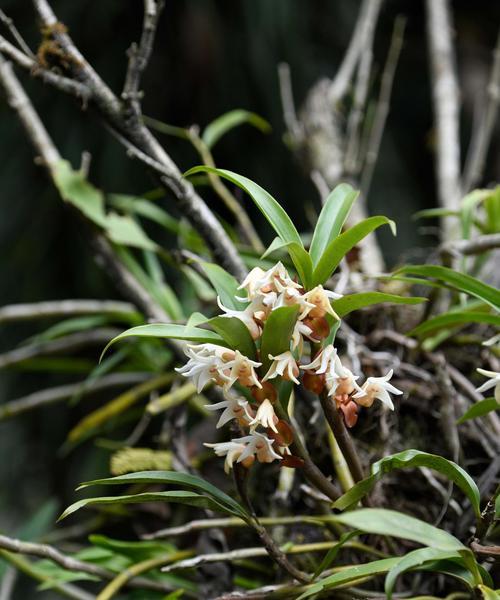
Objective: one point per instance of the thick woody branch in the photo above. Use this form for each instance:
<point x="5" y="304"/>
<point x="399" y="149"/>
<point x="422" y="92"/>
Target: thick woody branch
<point x="67" y="562"/>
<point x="445" y="93"/>
<point x="188" y="202"/>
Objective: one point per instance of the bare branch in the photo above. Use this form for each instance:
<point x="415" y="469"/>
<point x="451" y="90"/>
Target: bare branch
<point x="445" y="93"/>
<point x="286" y="93"/>
<point x="382" y="110"/>
<point x="366" y="21"/>
<point x="50" y="396"/>
<point x="72" y="564"/>
<point x="361" y="93"/>
<point x="188" y="201"/>
<point x="9" y="23"/>
<point x="481" y="136"/>
<point x="483" y="243"/>
<point x="139" y="55"/>
<point x="64" y="308"/>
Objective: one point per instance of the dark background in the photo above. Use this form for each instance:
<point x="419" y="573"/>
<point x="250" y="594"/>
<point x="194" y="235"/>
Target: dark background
<point x="210" y="57"/>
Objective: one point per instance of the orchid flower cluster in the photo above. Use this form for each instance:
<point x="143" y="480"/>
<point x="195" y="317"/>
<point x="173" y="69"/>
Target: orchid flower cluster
<point x="269" y="437"/>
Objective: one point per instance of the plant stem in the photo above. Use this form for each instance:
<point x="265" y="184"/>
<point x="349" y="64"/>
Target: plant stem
<point x="342" y="436"/>
<point x="341" y="467"/>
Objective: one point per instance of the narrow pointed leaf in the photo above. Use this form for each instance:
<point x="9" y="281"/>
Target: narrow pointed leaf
<point x="179" y="496"/>
<point x="340" y="246"/>
<point x="236" y="334"/>
<point x="460" y="281"/>
<point x="224" y="284"/>
<point x="269" y="207"/>
<point x="396" y="524"/>
<point x="452" y="319"/>
<point x="300" y="258"/>
<point x="411" y="459"/>
<point x="223" y="124"/>
<point x="331" y="555"/>
<point x="479" y="409"/>
<point x="277" y="334"/>
<point x="347" y="304"/>
<point x="169" y="478"/>
<point x="169" y="331"/>
<point x="331" y="219"/>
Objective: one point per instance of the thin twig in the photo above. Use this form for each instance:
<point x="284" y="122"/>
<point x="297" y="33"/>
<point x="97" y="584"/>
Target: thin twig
<point x="351" y="162"/>
<point x="73" y="564"/>
<point x="9" y="23"/>
<point x="482" y="134"/>
<point x="69" y="343"/>
<point x="445" y="94"/>
<point x="367" y="18"/>
<point x="292" y="124"/>
<point x="50" y="396"/>
<point x="483" y="243"/>
<point x="383" y="105"/>
<point x="65" y="308"/>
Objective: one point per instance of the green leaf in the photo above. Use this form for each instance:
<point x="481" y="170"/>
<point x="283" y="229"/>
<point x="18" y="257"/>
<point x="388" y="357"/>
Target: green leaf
<point x="75" y="189"/>
<point x="224" y="284"/>
<point x="274" y="213"/>
<point x="340" y="246"/>
<point x="452" y="319"/>
<point x="414" y="559"/>
<point x="489" y="594"/>
<point x="347" y="304"/>
<point x="220" y="126"/>
<point x="396" y="524"/>
<point x="331" y="555"/>
<point x="124" y="230"/>
<point x="172" y="477"/>
<point x="169" y="331"/>
<point x="411" y="459"/>
<point x="331" y="219"/>
<point x="432" y="213"/>
<point x="179" y="496"/>
<point x="236" y="334"/>
<point x="277" y="333"/>
<point x="469" y="203"/>
<point x="479" y="409"/>
<point x="144" y="208"/>
<point x="460" y="281"/>
<point x="350" y="574"/>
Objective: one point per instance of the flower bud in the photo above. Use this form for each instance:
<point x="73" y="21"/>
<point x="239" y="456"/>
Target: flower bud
<point x="248" y="462"/>
<point x="319" y="326"/>
<point x="350" y="412"/>
<point x="284" y="437"/>
<point x="294" y="462"/>
<point x="267" y="392"/>
<point x="313" y="382"/>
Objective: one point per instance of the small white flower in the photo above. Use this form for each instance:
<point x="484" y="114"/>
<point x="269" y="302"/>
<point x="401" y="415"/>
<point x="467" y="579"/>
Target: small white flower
<point x="207" y="362"/>
<point x="320" y="298"/>
<point x="493" y="381"/>
<point x="300" y="331"/>
<point x="263" y="282"/>
<point x="259" y="445"/>
<point x="266" y="417"/>
<point x="290" y="296"/>
<point x="242" y="370"/>
<point x="246" y="316"/>
<point x="377" y="388"/>
<point x="340" y="381"/>
<point x="231" y="450"/>
<point x="323" y="362"/>
<point x="284" y="364"/>
<point x="235" y="407"/>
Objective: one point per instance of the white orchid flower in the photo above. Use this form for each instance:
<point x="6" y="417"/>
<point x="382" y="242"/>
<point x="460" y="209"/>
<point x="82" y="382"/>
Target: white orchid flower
<point x="341" y="381"/>
<point x="290" y="296"/>
<point x="207" y="362"/>
<point x="284" y="364"/>
<point x="259" y="445"/>
<point x="243" y="371"/>
<point x="377" y="388"/>
<point x="320" y="299"/>
<point x="300" y="331"/>
<point x="231" y="450"/>
<point x="259" y="282"/>
<point x="265" y="416"/>
<point x="323" y="362"/>
<point x="493" y="381"/>
<point x="235" y="407"/>
<point x="246" y="316"/>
